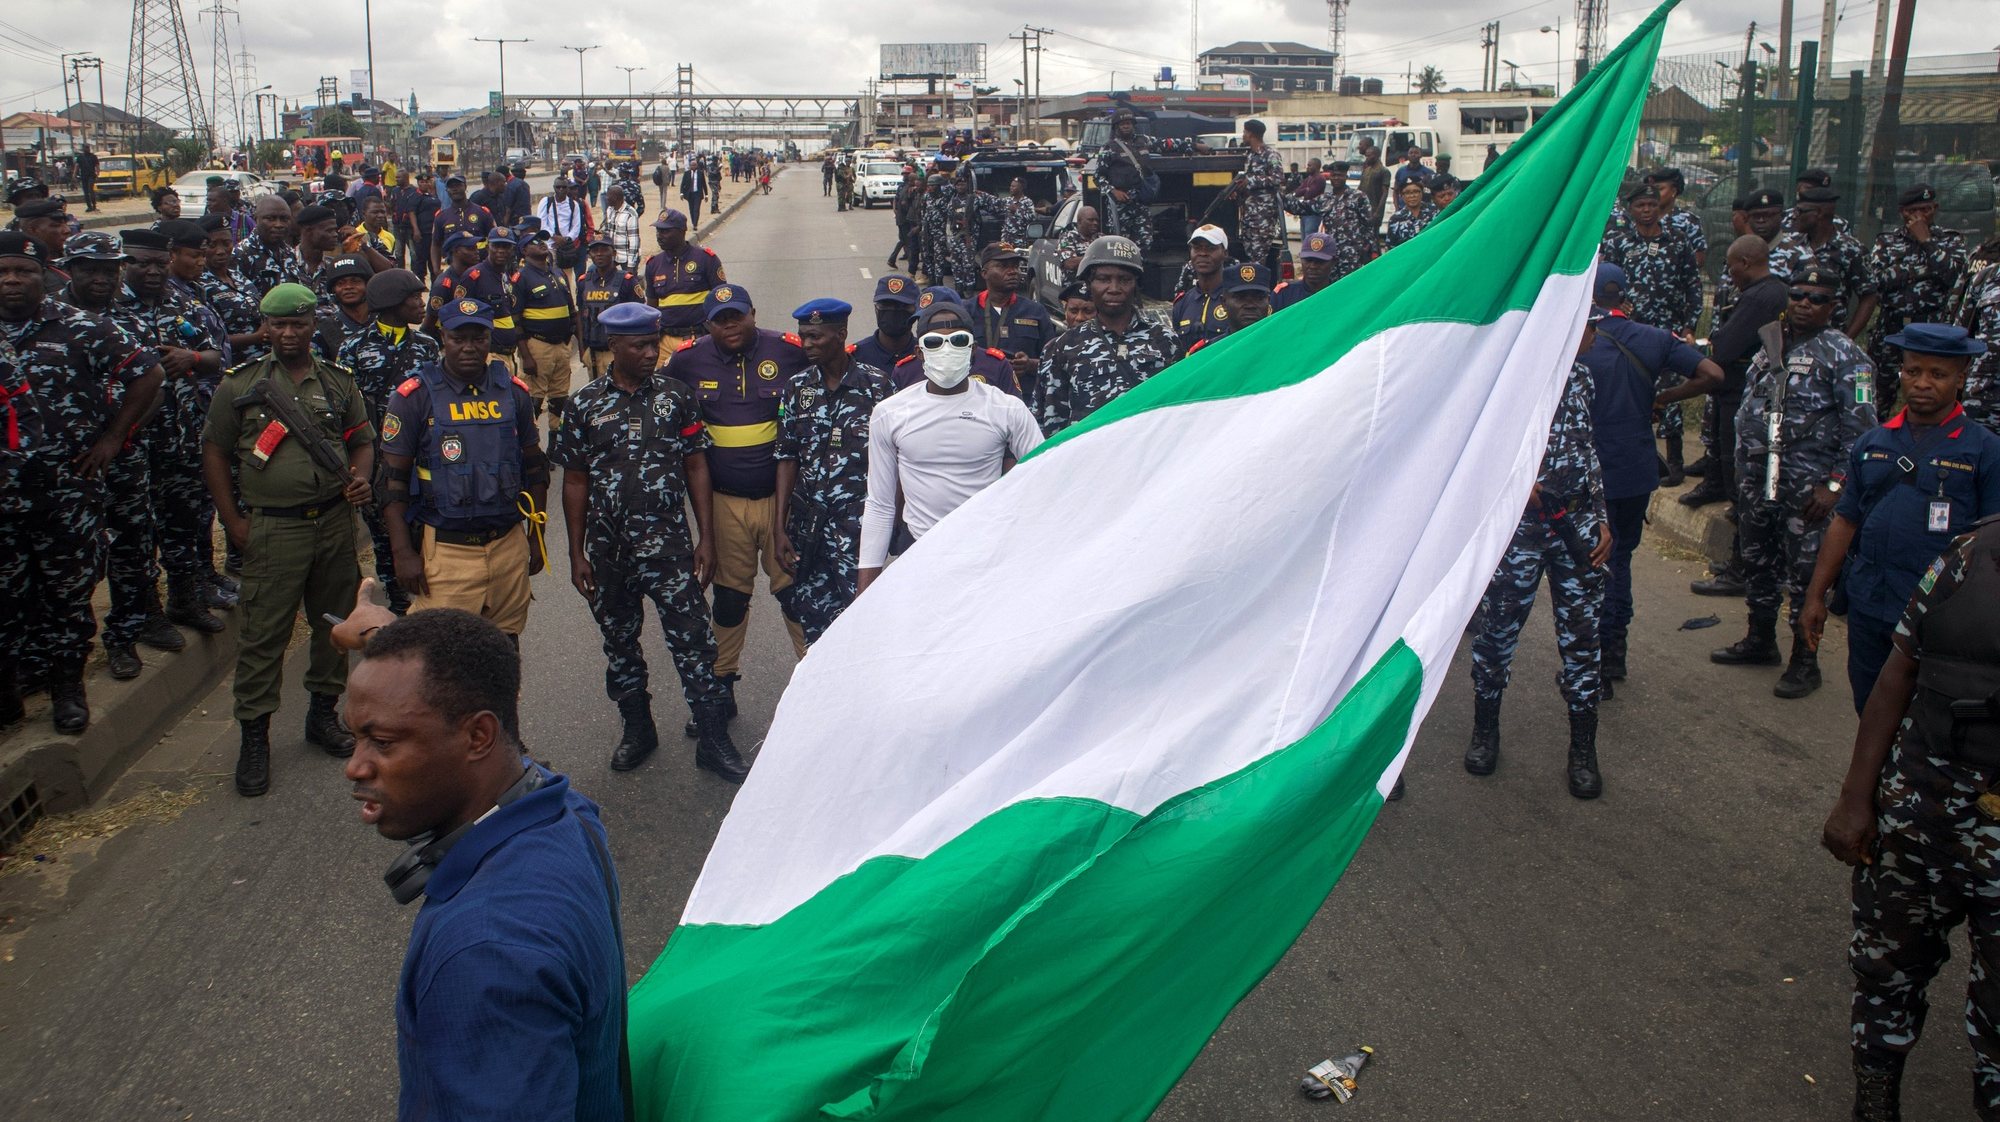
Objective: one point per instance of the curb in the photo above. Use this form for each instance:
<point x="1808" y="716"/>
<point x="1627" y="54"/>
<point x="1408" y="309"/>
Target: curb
<point x="1704" y="530"/>
<point x="44" y="771"/>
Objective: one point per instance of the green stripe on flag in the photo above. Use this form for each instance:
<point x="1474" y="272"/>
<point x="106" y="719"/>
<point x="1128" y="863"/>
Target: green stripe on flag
<point x="1528" y="217"/>
<point x="1061" y="959"/>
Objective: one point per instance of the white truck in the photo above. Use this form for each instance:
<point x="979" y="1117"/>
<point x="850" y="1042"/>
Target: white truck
<point x="1462" y="128"/>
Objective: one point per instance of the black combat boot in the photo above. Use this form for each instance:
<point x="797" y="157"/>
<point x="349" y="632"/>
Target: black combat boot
<point x="122" y="661"/>
<point x="1878" y="1089"/>
<point x="188" y="607"/>
<point x="1584" y="781"/>
<point x="1673" y="472"/>
<point x="160" y="635"/>
<point x="11" y="708"/>
<point x="1483" y="754"/>
<point x="1709" y="490"/>
<point x="640" y="736"/>
<point x="253" y="758"/>
<point x="1801" y="676"/>
<point x="716" y="751"/>
<point x="693" y="727"/>
<point x="219" y="592"/>
<point x="1757" y="648"/>
<point x="67" y="705"/>
<point x="1701" y="467"/>
<point x="1723" y="580"/>
<point x="325" y="728"/>
<point x="1611" y="664"/>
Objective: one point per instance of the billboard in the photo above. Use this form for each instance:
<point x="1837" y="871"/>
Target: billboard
<point x="934" y="60"/>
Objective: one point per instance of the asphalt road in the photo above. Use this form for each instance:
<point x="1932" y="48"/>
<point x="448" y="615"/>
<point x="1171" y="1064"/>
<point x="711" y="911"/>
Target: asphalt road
<point x="1674" y="950"/>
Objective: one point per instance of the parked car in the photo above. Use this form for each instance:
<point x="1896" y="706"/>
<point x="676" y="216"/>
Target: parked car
<point x="193" y="187"/>
<point x="876" y="181"/>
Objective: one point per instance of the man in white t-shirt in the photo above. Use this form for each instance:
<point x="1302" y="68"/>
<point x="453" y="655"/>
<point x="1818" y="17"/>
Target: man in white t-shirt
<point x="937" y="443"/>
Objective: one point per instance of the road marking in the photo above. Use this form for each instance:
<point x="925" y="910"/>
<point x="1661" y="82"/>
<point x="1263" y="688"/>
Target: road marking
<point x="866" y="275"/>
<point x="854" y="249"/>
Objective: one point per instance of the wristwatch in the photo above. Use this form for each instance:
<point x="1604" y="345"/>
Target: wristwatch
<point x="1834" y="485"/>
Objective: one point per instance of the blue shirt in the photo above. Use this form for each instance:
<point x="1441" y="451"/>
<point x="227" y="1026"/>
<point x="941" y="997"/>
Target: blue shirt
<point x="512" y="1000"/>
<point x="1956" y="463"/>
<point x="871" y="352"/>
<point x="1621" y="412"/>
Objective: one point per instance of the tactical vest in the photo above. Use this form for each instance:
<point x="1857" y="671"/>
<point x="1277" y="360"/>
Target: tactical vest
<point x="1957" y="706"/>
<point x="469" y="466"/>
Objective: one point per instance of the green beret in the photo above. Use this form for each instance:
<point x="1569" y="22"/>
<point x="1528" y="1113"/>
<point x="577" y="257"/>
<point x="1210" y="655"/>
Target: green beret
<point x="289" y="300"/>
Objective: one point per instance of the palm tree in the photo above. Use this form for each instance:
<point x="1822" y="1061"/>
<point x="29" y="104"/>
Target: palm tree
<point x="1430" y="80"/>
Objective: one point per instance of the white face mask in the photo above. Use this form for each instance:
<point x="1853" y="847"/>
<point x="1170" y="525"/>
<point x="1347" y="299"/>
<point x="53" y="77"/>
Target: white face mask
<point x="947" y="358"/>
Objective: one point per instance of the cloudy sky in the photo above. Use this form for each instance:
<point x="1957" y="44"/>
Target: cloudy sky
<point x="829" y="46"/>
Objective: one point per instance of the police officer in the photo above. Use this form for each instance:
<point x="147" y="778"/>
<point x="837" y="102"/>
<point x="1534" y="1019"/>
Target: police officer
<point x="461" y="216"/>
<point x="95" y="262"/>
<point x="940" y="318"/>
<point x="1919" y="827"/>
<point x="298" y="538"/>
<point x="1569" y="489"/>
<point x="1914" y="266"/>
<point x="73" y="387"/>
<point x="548" y="328"/>
<point x="1119" y="348"/>
<point x="187" y="272"/>
<point x="266" y="258"/>
<point x="1261" y="222"/>
<point x="387" y="354"/>
<point x="603" y="285"/>
<point x="491" y="282"/>
<point x="1917" y="481"/>
<point x="739" y="372"/>
<point x="179" y="330"/>
<point x="1246" y="293"/>
<point x="1122" y="169"/>
<point x="940" y="201"/>
<point x="1820" y="240"/>
<point x="634" y="460"/>
<point x="465" y="463"/>
<point x="1199" y="312"/>
<point x="1825" y="396"/>
<point x="822" y="475"/>
<point x="347" y="283"/>
<point x="1076" y="307"/>
<point x="679" y="278"/>
<point x="1663" y="290"/>
<point x="1005" y="320"/>
<point x="461" y="252"/>
<point x="1316" y="254"/>
<point x="895" y="312"/>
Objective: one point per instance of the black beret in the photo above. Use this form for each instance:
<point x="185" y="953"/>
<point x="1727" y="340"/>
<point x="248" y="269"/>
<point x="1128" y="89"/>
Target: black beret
<point x="1915" y="194"/>
<point x="184" y="234"/>
<point x="13" y="243"/>
<point x="315" y="213"/>
<point x="39" y="208"/>
<point x="1819" y="195"/>
<point x="210" y="223"/>
<point x="1759" y="200"/>
<point x="1818" y="177"/>
<point x="142" y="238"/>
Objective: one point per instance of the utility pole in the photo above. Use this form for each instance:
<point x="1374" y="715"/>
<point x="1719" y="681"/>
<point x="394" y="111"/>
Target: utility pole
<point x="1489" y="43"/>
<point x="1827" y="22"/>
<point x="1746" y="115"/>
<point x="1881" y="38"/>
<point x="1021" y="118"/>
<point x="581" y="143"/>
<point x="502" y="43"/>
<point x="1882" y="163"/>
<point x="368" y="34"/>
<point x="1038" y="33"/>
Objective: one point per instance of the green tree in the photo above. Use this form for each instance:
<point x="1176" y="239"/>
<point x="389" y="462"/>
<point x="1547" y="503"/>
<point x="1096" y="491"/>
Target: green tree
<point x="270" y="154"/>
<point x="1430" y="80"/>
<point x="186" y="154"/>
<point x="336" y="122"/>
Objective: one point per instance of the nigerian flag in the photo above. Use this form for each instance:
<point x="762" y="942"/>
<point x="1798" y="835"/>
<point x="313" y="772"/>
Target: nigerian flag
<point x="1070" y="778"/>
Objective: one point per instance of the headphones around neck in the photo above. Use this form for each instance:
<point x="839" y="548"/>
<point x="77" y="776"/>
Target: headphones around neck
<point x="410" y="872"/>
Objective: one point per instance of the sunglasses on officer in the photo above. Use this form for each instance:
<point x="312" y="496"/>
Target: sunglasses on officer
<point x="1814" y="297"/>
<point x="937" y="340"/>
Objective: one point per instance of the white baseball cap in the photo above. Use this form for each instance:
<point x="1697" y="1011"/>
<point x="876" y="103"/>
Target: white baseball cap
<point x="1211" y="233"/>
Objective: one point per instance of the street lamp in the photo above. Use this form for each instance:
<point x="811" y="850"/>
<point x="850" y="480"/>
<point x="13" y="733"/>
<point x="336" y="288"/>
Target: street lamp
<point x="503" y="85"/>
<point x="580" y="144"/>
<point x="629" y="130"/>
<point x="1558" y="29"/>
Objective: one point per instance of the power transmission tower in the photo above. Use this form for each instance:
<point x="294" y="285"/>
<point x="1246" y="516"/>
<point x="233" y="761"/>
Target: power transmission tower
<point x="1590" y="19"/>
<point x="221" y="80"/>
<point x="160" y="77"/>
<point x="1336" y="37"/>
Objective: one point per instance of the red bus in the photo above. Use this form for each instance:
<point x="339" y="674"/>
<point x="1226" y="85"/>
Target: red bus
<point x="311" y="154"/>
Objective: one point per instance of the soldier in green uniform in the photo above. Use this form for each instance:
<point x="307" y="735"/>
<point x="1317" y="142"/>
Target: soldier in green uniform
<point x="298" y="539"/>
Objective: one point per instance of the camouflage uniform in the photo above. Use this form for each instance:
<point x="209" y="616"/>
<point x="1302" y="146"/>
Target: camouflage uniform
<point x="1404" y="225"/>
<point x="1936" y="863"/>
<point x="1914" y="280"/>
<point x="1131" y="218"/>
<point x="1978" y="311"/>
<point x="1260" y="220"/>
<point x="825" y="432"/>
<point x="264" y="267"/>
<point x="635" y="535"/>
<point x="382" y="358"/>
<point x="1664" y="287"/>
<point x="1344" y="217"/>
<point x="183" y="511"/>
<point x="968" y="213"/>
<point x="1570" y="480"/>
<point x="1071" y="244"/>
<point x="1828" y="402"/>
<point x="1842" y="256"/>
<point x="938" y="257"/>
<point x="1088" y="366"/>
<point x="63" y="373"/>
<point x="1015" y="214"/>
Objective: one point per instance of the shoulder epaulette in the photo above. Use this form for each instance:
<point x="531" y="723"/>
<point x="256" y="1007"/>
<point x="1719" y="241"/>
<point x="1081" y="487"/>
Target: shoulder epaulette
<point x="852" y="347"/>
<point x="907" y="358"/>
<point x="996" y="353"/>
<point x="1282" y="285"/>
<point x="794" y="340"/>
<point x="709" y="251"/>
<point x="408" y="387"/>
<point x="523" y="387"/>
<point x="685" y="344"/>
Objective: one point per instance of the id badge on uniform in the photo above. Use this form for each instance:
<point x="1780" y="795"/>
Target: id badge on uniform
<point x="1940" y="516"/>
